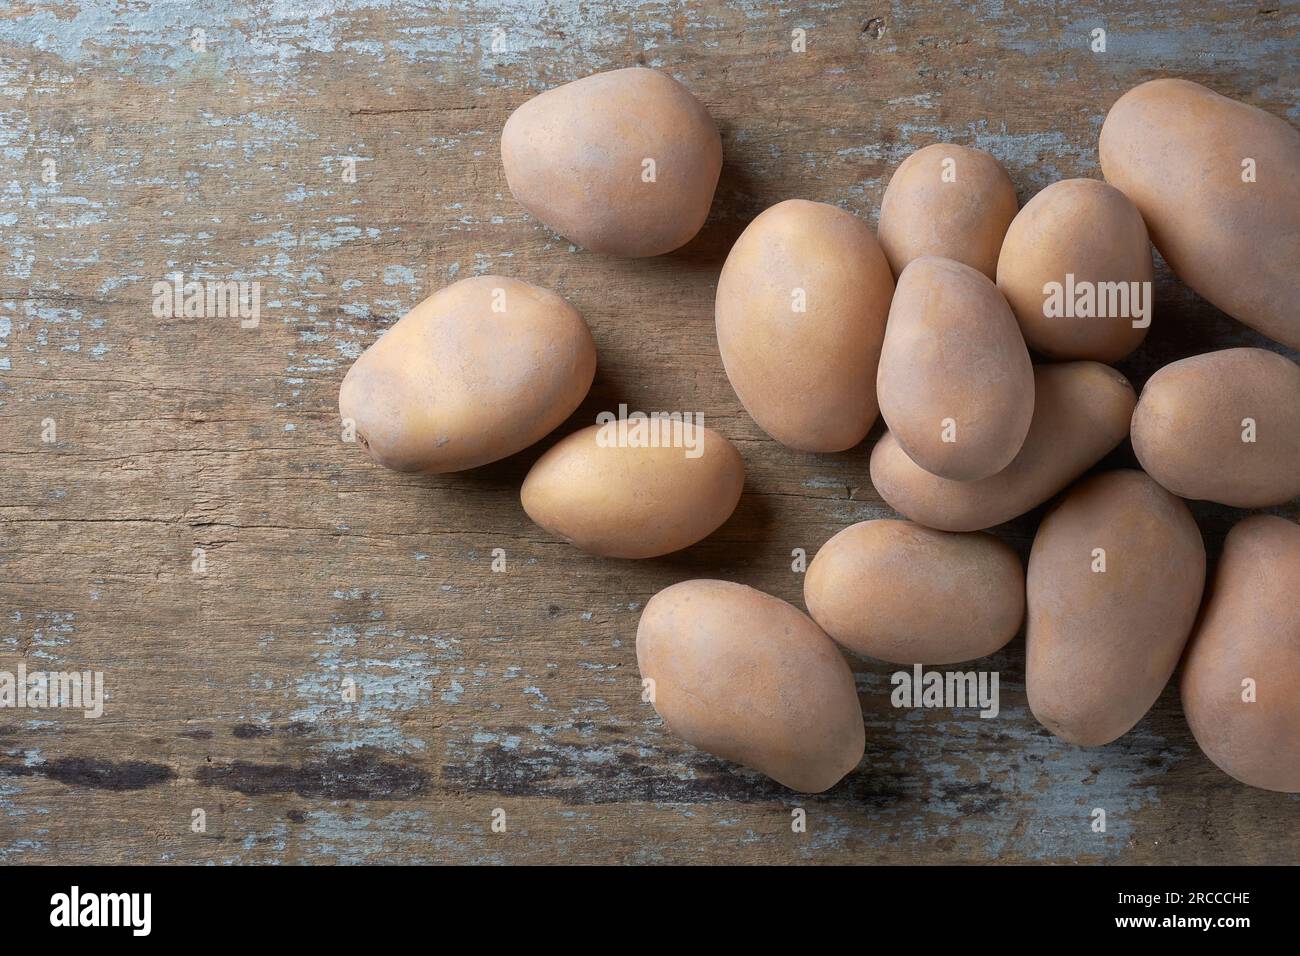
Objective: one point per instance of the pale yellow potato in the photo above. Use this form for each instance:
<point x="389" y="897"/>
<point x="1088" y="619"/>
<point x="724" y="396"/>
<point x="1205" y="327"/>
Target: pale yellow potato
<point x="950" y="201"/>
<point x="1079" y="234"/>
<point x="1081" y="412"/>
<point x="620" y="501"/>
<point x="1192" y="422"/>
<point x="955" y="383"/>
<point x="623" y="162"/>
<point x="1241" y="675"/>
<point x="903" y="593"/>
<point x="807" y="377"/>
<point x="751" y="679"/>
<point x="1114" y="583"/>
<point x="1183" y="154"/>
<point x="476" y="372"/>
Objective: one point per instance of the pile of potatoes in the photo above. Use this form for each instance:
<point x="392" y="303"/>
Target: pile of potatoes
<point x="981" y="333"/>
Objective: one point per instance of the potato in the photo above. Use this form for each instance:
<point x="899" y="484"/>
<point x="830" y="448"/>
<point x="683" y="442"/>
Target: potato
<point x="476" y="372"/>
<point x="949" y="201"/>
<point x="1081" y="412"/>
<point x="1076" y="267"/>
<point x="751" y="679"/>
<point x="623" y="501"/>
<point x="903" y="593"/>
<point x="1113" y="587"/>
<point x="801" y="309"/>
<point x="1218" y="183"/>
<point x="1224" y="426"/>
<point x="623" y="162"/>
<point x="1241" y="676"/>
<point x="955" y="383"/>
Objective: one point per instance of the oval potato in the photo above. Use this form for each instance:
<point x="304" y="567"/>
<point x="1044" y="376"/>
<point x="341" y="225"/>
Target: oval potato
<point x="903" y="593"/>
<point x="1223" y="426"/>
<point x="1081" y="412"/>
<point x="950" y="201"/>
<point x="476" y="372"/>
<point x="751" y="679"/>
<point x="623" y="162"/>
<point x="1113" y="587"/>
<point x="1250" y="632"/>
<point x="801" y="308"/>
<point x="1218" y="183"/>
<point x="621" y="501"/>
<point x="955" y="383"/>
<point x="1077" y="242"/>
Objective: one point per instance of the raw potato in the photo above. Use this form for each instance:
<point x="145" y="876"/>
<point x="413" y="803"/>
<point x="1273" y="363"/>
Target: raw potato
<point x="1081" y="412"/>
<point x="1114" y="583"/>
<point x="1184" y="155"/>
<point x="801" y="309"/>
<point x="1080" y="234"/>
<point x="620" y="501"/>
<point x="1250" y="631"/>
<point x="623" y="163"/>
<point x="955" y="383"/>
<point x="476" y="372"/>
<point x="949" y="201"/>
<point x="749" y="678"/>
<point x="907" y="594"/>
<point x="1192" y="421"/>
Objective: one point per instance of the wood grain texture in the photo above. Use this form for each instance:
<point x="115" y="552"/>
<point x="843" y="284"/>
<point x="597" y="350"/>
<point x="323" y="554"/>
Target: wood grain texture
<point x="481" y="690"/>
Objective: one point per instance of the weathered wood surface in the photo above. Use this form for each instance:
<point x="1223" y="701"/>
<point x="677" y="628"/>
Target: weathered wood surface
<point x="482" y="690"/>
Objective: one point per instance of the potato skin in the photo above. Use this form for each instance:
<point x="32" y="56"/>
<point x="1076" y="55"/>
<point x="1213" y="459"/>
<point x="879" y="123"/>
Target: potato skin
<point x="807" y="378"/>
<point x="1176" y="149"/>
<point x="573" y="157"/>
<point x="903" y="593"/>
<point x="1101" y="646"/>
<point x="624" y="502"/>
<point x="1081" y="412"/>
<point x="1250" y="628"/>
<point x="964" y="220"/>
<point x="750" y="678"/>
<point x="953" y="354"/>
<point x="1187" y="427"/>
<point x="1085" y="228"/>
<point x="455" y="384"/>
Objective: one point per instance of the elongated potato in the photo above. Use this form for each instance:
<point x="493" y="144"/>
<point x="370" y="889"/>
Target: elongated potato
<point x="1224" y="426"/>
<point x="623" y="501"/>
<point x="623" y="162"/>
<point x="1218" y="183"/>
<point x="907" y="594"/>
<point x="955" y="383"/>
<point x="950" y="201"/>
<point x="1114" y="583"/>
<point x="751" y="679"/>
<point x="801" y="309"/>
<point x="1081" y="412"/>
<point x="476" y="372"/>
<point x="1241" y="676"/>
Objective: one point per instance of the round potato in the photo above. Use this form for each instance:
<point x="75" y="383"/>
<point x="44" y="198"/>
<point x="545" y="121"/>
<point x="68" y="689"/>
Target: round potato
<point x="950" y="201"/>
<point x="1113" y="587"/>
<point x="623" y="163"/>
<point x="955" y="383"/>
<point x="624" y="499"/>
<point x="1076" y="267"/>
<point x="1081" y="412"/>
<point x="1241" y="676"/>
<point x="801" y="309"/>
<point x="1218" y="183"/>
<point x="476" y="372"/>
<point x="749" y="678"/>
<point x="1224" y="426"/>
<point x="899" y="592"/>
